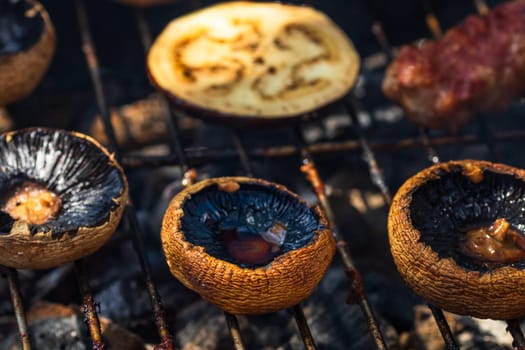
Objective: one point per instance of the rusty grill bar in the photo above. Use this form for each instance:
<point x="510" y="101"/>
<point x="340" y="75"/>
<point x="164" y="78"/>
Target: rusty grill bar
<point x="183" y="157"/>
<point x="378" y="180"/>
<point x="16" y="299"/>
<point x="90" y="306"/>
<point x="199" y="156"/>
<point x="166" y="341"/>
<point x="357" y="291"/>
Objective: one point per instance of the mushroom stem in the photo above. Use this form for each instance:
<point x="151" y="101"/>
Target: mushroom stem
<point x="499" y="229"/>
<point x="31" y="202"/>
<point x="275" y="235"/>
<point x="248" y="248"/>
<point x="498" y="242"/>
<point x="473" y="172"/>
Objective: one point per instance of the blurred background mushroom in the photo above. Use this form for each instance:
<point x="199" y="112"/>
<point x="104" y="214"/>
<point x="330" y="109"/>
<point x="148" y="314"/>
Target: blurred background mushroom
<point x="27" y="45"/>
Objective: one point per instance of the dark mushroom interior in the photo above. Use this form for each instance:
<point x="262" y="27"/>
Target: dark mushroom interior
<point x="249" y="226"/>
<point x="57" y="164"/>
<point x="20" y="27"/>
<point x="479" y="222"/>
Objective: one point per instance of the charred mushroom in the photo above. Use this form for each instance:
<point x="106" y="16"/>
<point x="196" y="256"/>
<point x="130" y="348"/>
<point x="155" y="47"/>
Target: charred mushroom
<point x="61" y="197"/>
<point x="252" y="62"/>
<point x="456" y="232"/>
<point x="27" y="45"/>
<point x="246" y="245"/>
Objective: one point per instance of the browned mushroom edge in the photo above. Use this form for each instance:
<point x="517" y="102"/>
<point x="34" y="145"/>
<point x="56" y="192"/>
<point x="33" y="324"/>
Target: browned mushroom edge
<point x="61" y="197"/>
<point x="172" y="39"/>
<point x="26" y="50"/>
<point x="456" y="236"/>
<point x="267" y="218"/>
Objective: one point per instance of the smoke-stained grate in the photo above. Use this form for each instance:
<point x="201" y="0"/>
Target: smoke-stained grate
<point x="366" y="137"/>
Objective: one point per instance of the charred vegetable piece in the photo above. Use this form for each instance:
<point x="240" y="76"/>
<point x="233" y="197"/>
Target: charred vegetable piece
<point x="251" y="62"/>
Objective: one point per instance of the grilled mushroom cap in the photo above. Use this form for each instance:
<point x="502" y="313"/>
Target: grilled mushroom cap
<point x="247" y="62"/>
<point x="27" y="45"/>
<point x="456" y="235"/>
<point x="246" y="245"/>
<point x="61" y="197"/>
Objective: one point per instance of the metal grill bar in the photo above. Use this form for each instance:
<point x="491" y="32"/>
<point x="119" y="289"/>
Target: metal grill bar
<point x="171" y="115"/>
<point x="435" y="28"/>
<point x="297" y="310"/>
<point x="431" y="20"/>
<point x="90" y="307"/>
<point x="357" y="291"/>
<point x="488" y="139"/>
<point x="175" y="138"/>
<point x="427" y="143"/>
<point x="378" y="180"/>
<point x="94" y="71"/>
<point x="166" y="342"/>
<point x="173" y="130"/>
<point x="481" y="6"/>
<point x="304" y="330"/>
<point x="444" y="328"/>
<point x="243" y="155"/>
<point x="379" y="34"/>
<point x="515" y="330"/>
<point x="235" y="331"/>
<point x="201" y="155"/>
<point x="18" y="306"/>
<point x="376" y="175"/>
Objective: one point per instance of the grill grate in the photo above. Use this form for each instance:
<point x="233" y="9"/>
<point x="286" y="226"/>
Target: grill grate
<point x="184" y="157"/>
<point x="166" y="341"/>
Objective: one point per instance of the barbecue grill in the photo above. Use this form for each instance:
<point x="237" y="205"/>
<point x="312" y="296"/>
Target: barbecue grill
<point x="350" y="159"/>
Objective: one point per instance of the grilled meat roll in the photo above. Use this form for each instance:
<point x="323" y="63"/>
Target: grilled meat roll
<point x="478" y="65"/>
